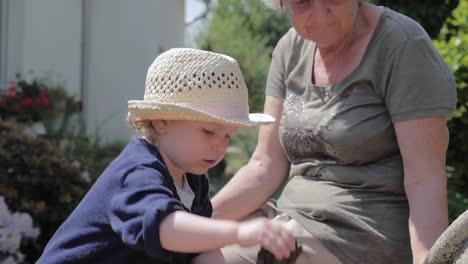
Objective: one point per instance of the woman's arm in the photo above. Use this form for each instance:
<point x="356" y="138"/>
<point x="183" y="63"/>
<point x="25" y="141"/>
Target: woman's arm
<point x="423" y="148"/>
<point x="185" y="232"/>
<point x="257" y="181"/>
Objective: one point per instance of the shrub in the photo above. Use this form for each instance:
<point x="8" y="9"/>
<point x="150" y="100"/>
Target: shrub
<point x="36" y="178"/>
<point x="452" y="43"/>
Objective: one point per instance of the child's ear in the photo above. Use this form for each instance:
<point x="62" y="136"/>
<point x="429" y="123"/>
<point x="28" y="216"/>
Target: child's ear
<point x="160" y="126"/>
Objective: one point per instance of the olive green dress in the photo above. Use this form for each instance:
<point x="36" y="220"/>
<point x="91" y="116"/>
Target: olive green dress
<point x="346" y="175"/>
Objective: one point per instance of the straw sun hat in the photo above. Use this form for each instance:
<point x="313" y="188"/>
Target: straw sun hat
<point x="190" y="84"/>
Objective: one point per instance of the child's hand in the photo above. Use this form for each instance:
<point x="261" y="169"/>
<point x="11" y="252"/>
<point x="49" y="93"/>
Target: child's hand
<point x="272" y="236"/>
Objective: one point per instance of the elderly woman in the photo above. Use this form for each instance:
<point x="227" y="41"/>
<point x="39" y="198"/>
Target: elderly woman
<point x="361" y="97"/>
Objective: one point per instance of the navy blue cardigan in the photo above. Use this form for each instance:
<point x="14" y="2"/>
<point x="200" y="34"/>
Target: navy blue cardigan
<point x="118" y="219"/>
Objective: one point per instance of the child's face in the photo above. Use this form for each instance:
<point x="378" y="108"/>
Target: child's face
<point x="192" y="146"/>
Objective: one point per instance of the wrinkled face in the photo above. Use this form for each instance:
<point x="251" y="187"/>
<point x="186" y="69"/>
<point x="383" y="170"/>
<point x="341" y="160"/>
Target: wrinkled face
<point x="326" y="22"/>
<point x="192" y="146"/>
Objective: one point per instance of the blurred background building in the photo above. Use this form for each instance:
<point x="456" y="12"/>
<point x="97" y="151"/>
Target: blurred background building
<point x="98" y="49"/>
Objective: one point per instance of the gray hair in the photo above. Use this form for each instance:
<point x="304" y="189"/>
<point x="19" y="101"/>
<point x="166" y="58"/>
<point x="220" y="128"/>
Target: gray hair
<point x="142" y="128"/>
<point x="273" y="4"/>
<point x="276" y="4"/>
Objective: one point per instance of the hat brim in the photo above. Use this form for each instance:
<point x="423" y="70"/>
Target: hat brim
<point x="143" y="110"/>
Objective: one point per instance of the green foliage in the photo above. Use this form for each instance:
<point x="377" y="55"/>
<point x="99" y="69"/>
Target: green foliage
<point x="430" y="14"/>
<point x="247" y="31"/>
<point x="452" y="43"/>
<point x="36" y="178"/>
<point x="47" y="177"/>
<point x="92" y="155"/>
<point x="47" y="163"/>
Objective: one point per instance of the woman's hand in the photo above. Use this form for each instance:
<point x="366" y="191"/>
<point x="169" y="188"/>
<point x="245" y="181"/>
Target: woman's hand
<point x="272" y="236"/>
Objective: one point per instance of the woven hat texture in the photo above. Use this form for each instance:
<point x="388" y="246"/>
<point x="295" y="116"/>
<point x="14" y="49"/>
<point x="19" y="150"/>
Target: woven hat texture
<point x="191" y="84"/>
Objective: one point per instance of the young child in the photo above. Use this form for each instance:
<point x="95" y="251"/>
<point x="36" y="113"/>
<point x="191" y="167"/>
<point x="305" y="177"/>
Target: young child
<point x="151" y="204"/>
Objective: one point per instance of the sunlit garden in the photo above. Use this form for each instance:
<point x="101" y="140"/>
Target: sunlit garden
<point x="48" y="161"/>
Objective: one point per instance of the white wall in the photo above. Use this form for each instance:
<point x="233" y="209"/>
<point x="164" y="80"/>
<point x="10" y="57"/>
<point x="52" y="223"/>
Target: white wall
<point x="52" y="41"/>
<point x="122" y="38"/>
<point x="99" y="49"/>
<point x="12" y="39"/>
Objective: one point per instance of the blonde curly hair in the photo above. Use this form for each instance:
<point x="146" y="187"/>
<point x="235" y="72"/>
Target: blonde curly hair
<point x="142" y="128"/>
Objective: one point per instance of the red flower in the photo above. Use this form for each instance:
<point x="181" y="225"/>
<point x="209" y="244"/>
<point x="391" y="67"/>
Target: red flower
<point x="26" y="101"/>
<point x="43" y="100"/>
<point x="2" y="102"/>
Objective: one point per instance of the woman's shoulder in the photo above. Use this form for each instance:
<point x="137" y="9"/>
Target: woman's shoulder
<point x="292" y="37"/>
<point x="396" y="32"/>
<point x="401" y="28"/>
<point x="290" y="42"/>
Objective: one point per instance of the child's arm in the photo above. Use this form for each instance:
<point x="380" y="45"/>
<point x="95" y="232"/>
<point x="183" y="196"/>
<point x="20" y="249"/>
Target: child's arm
<point x="184" y="232"/>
